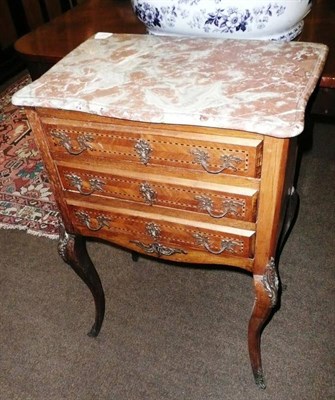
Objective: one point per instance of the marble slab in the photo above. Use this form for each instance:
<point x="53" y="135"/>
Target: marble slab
<point x="256" y="86"/>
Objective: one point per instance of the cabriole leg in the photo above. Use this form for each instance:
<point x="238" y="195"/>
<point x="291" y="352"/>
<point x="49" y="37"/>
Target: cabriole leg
<point x="72" y="249"/>
<point x="266" y="288"/>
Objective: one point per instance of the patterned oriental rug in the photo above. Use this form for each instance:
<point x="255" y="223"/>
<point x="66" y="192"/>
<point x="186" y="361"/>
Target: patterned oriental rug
<point x="26" y="201"/>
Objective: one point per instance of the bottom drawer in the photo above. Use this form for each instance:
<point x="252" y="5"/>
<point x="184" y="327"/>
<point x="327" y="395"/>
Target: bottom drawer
<point x="172" y="238"/>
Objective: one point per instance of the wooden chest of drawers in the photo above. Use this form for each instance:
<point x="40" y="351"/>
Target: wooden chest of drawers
<point x="186" y="152"/>
<point x="194" y="191"/>
<point x="184" y="193"/>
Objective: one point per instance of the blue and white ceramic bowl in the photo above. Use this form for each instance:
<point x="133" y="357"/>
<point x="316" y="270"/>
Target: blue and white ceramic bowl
<point x="235" y="19"/>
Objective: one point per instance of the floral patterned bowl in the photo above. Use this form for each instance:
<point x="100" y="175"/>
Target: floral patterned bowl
<point x="236" y="19"/>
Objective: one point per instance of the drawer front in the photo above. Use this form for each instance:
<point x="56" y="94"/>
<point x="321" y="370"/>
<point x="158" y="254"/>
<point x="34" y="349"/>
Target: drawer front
<point x="204" y="154"/>
<point x="162" y="237"/>
<point x="223" y="202"/>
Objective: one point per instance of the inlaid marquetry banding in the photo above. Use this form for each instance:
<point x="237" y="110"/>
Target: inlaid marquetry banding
<point x="129" y="222"/>
<point x="243" y="155"/>
<point x="227" y="205"/>
<point x="179" y="228"/>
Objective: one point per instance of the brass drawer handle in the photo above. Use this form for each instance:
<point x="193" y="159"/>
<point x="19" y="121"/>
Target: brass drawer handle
<point x="229" y="206"/>
<point x="76" y="181"/>
<point x="154" y="231"/>
<point x="158" y="248"/>
<point x="228" y="161"/>
<point x="65" y="141"/>
<point x="226" y="245"/>
<point x="148" y="193"/>
<point x="101" y="221"/>
<point x="143" y="150"/>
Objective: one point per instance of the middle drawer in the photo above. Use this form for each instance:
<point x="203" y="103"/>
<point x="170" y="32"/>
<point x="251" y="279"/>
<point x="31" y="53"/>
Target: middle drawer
<point x="214" y="200"/>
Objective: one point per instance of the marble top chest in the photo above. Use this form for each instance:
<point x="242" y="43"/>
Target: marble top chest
<point x="180" y="148"/>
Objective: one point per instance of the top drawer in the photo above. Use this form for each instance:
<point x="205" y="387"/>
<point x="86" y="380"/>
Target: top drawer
<point x="211" y="151"/>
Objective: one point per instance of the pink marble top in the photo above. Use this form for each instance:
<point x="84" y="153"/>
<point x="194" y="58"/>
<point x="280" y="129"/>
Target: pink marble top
<point x="257" y="86"/>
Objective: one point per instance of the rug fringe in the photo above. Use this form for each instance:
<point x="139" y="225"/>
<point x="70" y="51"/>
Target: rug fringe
<point x="52" y="236"/>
